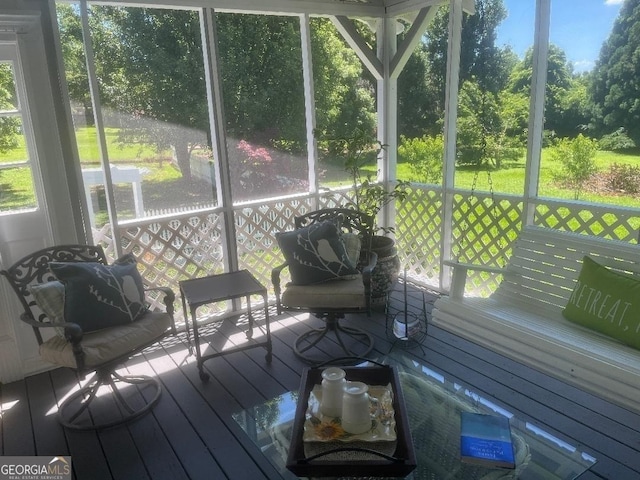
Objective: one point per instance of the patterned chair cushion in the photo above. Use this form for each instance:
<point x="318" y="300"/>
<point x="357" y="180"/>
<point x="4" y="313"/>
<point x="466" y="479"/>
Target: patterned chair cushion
<point x="99" y="296"/>
<point x="315" y="254"/>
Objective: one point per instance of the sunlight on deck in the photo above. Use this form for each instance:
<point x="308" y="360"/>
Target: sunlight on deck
<point x="240" y="338"/>
<point x="7" y="406"/>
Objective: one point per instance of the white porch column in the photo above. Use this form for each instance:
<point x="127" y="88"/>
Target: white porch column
<point x="387" y="113"/>
<point x="450" y="133"/>
<point x="536" y="109"/>
<point x="386" y="66"/>
<point x="309" y="105"/>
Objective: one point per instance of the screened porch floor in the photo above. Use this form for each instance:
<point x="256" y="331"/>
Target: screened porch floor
<point x="191" y="434"/>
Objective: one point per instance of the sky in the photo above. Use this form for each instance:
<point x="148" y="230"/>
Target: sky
<point x="579" y="27"/>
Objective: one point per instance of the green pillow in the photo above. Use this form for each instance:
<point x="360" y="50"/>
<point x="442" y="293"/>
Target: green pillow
<point x="606" y="301"/>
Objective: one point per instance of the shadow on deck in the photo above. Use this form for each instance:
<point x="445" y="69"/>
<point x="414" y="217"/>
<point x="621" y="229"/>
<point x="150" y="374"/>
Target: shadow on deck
<point x="191" y="434"/>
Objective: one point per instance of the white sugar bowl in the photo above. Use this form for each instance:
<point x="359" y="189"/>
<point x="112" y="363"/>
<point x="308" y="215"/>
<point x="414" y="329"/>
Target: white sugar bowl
<point x="333" y="382"/>
<point x="356" y="411"/>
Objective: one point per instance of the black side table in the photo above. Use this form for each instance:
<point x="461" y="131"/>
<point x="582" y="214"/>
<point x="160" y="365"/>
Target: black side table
<point x="217" y="288"/>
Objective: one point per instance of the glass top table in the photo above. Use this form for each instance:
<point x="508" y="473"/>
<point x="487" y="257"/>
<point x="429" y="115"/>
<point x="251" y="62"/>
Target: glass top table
<point x="433" y="404"/>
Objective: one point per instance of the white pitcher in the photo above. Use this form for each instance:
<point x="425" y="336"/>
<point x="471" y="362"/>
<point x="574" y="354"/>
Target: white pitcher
<point x="356" y="408"/>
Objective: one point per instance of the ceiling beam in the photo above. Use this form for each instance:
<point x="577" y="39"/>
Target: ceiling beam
<point x="348" y="8"/>
<point x="411" y="40"/>
<point x="374" y="8"/>
<point x="366" y="55"/>
<point x="396" y="8"/>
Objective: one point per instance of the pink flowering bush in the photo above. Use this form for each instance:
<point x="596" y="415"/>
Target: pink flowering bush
<point x="257" y="172"/>
<point x="255" y="155"/>
<point x="256" y="169"/>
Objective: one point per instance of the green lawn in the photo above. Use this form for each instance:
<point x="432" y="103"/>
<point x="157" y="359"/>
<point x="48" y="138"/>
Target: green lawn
<point x="16" y="184"/>
<point x="118" y="153"/>
<point x="16" y="187"/>
<point x="511" y="179"/>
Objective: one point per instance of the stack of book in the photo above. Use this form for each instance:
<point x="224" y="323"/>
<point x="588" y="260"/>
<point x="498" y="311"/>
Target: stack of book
<point x="486" y="440"/>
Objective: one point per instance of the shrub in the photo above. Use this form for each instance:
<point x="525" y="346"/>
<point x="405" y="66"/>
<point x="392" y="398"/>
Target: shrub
<point x="623" y="178"/>
<point x="577" y="159"/>
<point x="618" y="140"/>
<point x="424" y="156"/>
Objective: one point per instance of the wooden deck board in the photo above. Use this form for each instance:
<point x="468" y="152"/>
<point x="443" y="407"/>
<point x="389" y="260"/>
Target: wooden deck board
<point x="191" y="433"/>
<point x="86" y="449"/>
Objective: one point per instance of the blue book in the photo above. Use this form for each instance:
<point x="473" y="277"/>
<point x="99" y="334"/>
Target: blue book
<point x="486" y="440"/>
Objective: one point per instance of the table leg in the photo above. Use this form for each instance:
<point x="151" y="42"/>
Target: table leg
<point x="269" y="355"/>
<point x="186" y="323"/>
<point x="250" y="330"/>
<point x="204" y="376"/>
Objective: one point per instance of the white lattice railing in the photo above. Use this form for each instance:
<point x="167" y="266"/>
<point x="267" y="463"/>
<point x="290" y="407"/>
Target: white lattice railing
<point x="418" y="232"/>
<point x="189" y="244"/>
<point x="617" y="223"/>
<point x="256" y="227"/>
<point x="484" y="227"/>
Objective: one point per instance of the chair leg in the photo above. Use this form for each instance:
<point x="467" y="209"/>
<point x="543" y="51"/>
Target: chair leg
<point x="365" y="339"/>
<point x="71" y="409"/>
<point x="310" y="339"/>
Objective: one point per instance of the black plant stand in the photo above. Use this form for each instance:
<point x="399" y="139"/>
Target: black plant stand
<point x="404" y="328"/>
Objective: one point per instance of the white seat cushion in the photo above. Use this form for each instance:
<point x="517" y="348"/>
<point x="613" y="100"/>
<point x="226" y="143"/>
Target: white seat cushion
<point x="101" y="346"/>
<point x="333" y="294"/>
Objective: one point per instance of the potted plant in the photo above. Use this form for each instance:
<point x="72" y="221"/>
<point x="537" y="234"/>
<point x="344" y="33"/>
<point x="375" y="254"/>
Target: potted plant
<point x="369" y="196"/>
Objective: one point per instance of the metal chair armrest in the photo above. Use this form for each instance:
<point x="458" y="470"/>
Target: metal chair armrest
<point x="168" y="298"/>
<point x="367" y="270"/>
<point x="275" y="281"/>
<point x="73" y="332"/>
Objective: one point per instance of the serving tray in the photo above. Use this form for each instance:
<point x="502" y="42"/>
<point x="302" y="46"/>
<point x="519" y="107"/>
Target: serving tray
<point x="383" y="457"/>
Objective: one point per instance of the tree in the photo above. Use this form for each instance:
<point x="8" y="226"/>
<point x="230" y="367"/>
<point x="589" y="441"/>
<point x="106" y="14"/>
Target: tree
<point x="419" y="108"/>
<point x="9" y="126"/>
<point x="574" y="108"/>
<point x="480" y="58"/>
<point x="262" y="78"/>
<point x="345" y="97"/>
<point x="424" y="156"/>
<point x="160" y="79"/>
<point x="478" y="121"/>
<point x="150" y="71"/>
<point x="484" y="73"/>
<point x="566" y="107"/>
<point x="70" y="28"/>
<point x="615" y="88"/>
